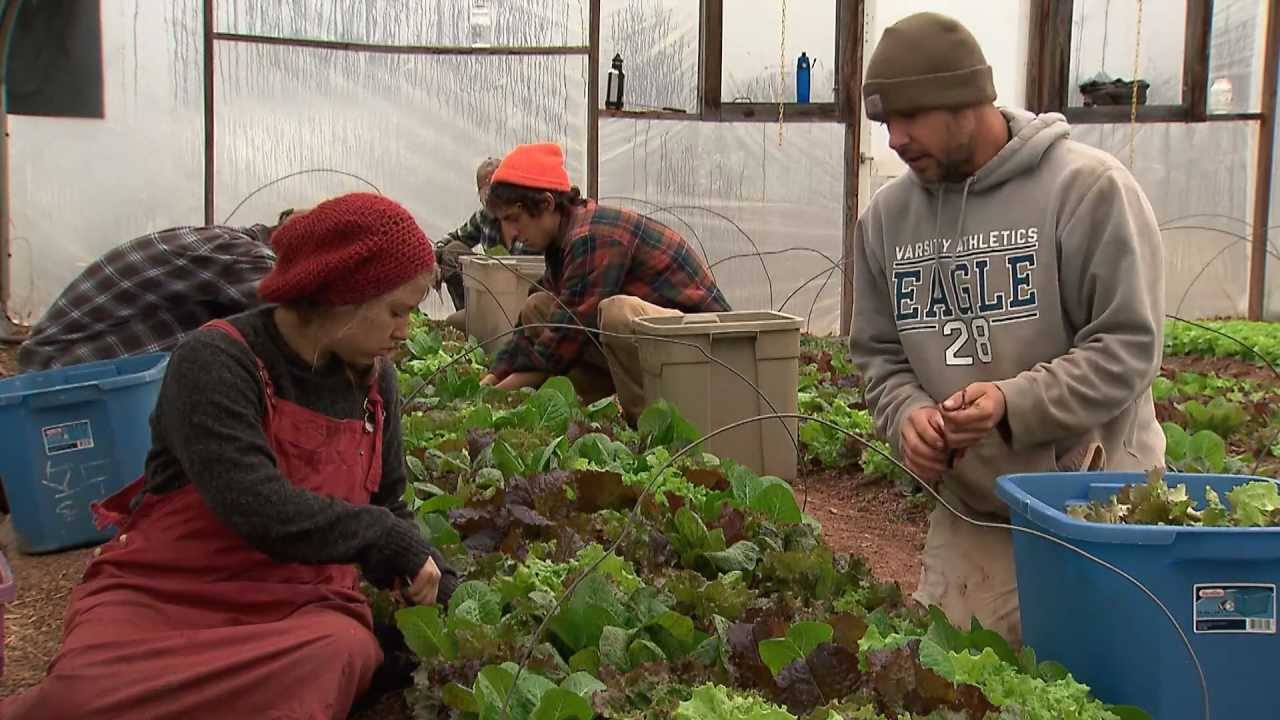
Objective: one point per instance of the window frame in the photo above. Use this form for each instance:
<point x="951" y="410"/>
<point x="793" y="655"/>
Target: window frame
<point x="1049" y="64"/>
<point x="710" y="106"/>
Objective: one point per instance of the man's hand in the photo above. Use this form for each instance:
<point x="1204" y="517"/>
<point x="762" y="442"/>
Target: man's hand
<point x="489" y="379"/>
<point x="971" y="414"/>
<point x="923" y="445"/>
<point x="517" y="380"/>
<point x="426" y="584"/>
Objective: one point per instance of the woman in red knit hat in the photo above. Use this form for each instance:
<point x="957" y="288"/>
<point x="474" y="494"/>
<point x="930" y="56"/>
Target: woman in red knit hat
<point x="274" y="480"/>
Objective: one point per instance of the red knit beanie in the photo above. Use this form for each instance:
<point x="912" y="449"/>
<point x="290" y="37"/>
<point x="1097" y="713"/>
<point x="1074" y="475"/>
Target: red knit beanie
<point x="539" y="166"/>
<point x="346" y="251"/>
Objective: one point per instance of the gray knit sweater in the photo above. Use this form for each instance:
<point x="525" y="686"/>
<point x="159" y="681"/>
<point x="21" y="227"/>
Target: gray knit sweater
<point x="207" y="429"/>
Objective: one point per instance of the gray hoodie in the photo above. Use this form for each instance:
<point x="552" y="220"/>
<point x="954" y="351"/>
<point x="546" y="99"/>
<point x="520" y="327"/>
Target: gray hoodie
<point x="1054" y="291"/>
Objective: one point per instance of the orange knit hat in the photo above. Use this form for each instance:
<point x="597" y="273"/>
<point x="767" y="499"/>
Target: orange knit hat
<point x="539" y="166"/>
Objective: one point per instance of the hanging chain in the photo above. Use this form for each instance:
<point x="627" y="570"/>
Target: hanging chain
<point x="782" y="70"/>
<point x="1133" y="103"/>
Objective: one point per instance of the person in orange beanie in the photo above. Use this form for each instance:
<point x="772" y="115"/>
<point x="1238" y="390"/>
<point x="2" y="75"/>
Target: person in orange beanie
<point x="605" y="267"/>
<point x="274" y="482"/>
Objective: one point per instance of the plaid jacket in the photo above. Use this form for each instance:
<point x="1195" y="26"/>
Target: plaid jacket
<point x="145" y="295"/>
<point x="602" y="252"/>
<point x="482" y="228"/>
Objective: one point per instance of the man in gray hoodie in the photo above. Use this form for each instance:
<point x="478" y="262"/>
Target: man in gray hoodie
<point x="1009" y="308"/>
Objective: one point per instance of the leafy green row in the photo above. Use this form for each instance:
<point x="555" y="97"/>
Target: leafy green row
<point x="640" y="587"/>
<point x="1184" y="339"/>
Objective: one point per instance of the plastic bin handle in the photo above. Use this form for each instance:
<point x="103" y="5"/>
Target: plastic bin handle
<point x="67" y="396"/>
<point x="700" y="319"/>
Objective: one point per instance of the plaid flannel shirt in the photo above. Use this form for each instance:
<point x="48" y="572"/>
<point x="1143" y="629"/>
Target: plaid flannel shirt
<point x="603" y="252"/>
<point x="147" y="294"/>
<point x="482" y="228"/>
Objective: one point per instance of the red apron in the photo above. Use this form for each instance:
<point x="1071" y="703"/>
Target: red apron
<point x="178" y="617"/>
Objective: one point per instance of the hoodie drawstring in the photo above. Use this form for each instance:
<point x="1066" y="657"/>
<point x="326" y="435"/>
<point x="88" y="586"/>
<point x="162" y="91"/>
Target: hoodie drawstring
<point x="944" y="262"/>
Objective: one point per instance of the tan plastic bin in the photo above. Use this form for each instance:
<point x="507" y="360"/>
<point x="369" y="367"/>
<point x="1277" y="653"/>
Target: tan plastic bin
<point x="763" y="346"/>
<point x="496" y="289"/>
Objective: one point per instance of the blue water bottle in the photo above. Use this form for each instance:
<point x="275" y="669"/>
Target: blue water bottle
<point x="802" y="79"/>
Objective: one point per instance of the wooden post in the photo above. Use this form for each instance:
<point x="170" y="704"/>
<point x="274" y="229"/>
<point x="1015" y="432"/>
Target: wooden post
<point x="1262" y="174"/>
<point x="208" y="112"/>
<point x="7" y="326"/>
<point x="711" y="57"/>
<point x="1049" y="55"/>
<point x="849" y="37"/>
<point x="593" y="103"/>
<point x="1195" y="64"/>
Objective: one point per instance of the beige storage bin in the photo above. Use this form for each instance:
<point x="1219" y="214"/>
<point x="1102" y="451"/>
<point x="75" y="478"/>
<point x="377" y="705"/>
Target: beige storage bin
<point x="763" y="346"/>
<point x="496" y="289"/>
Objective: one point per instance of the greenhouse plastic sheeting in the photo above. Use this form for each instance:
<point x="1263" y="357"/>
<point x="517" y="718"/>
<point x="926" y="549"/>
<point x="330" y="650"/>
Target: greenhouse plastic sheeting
<point x="79" y="187"/>
<point x="415" y="127"/>
<point x="658" y="42"/>
<point x="733" y="191"/>
<point x="1199" y="179"/>
<point x="499" y="23"/>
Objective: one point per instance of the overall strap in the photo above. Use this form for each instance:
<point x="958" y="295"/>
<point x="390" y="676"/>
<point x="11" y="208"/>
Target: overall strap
<point x="229" y="329"/>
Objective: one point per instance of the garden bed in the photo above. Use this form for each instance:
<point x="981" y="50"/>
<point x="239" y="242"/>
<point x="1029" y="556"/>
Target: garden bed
<point x="609" y="574"/>
<point x="664" y="634"/>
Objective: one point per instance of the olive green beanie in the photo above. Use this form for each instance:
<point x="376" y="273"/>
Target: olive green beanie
<point x="924" y="62"/>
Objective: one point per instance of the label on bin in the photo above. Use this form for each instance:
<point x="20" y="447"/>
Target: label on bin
<point x="67" y="437"/>
<point x="1235" y="608"/>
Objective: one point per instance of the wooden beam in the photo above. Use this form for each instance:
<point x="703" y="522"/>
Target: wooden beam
<point x="593" y="102"/>
<point x="649" y="115"/>
<point x="1235" y="117"/>
<point x="1049" y="57"/>
<point x="711" y="58"/>
<point x="6" y="253"/>
<point x="768" y="112"/>
<point x="1195" y="60"/>
<point x="739" y="112"/>
<point x="209" y="35"/>
<point x="401" y="49"/>
<point x="850" y="27"/>
<point x="1262" y="173"/>
<point x="1121" y="114"/>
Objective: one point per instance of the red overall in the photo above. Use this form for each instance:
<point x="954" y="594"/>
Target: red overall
<point x="180" y="618"/>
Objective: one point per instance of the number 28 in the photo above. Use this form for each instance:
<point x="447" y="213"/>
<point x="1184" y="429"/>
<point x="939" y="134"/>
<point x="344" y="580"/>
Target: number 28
<point x="979" y="329"/>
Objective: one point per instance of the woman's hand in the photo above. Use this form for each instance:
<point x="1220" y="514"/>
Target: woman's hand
<point x="489" y="379"/>
<point x="426" y="584"/>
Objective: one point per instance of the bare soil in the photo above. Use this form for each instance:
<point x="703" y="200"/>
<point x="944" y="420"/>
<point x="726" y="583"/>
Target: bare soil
<point x="8" y="359"/>
<point x="870" y="519"/>
<point x="33" y="622"/>
<point x="1225" y="367"/>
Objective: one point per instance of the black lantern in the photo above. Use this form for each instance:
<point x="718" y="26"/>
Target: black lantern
<point x="613" y="97"/>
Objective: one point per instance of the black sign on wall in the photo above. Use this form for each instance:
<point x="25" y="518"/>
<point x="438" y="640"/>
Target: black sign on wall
<point x="55" y="59"/>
